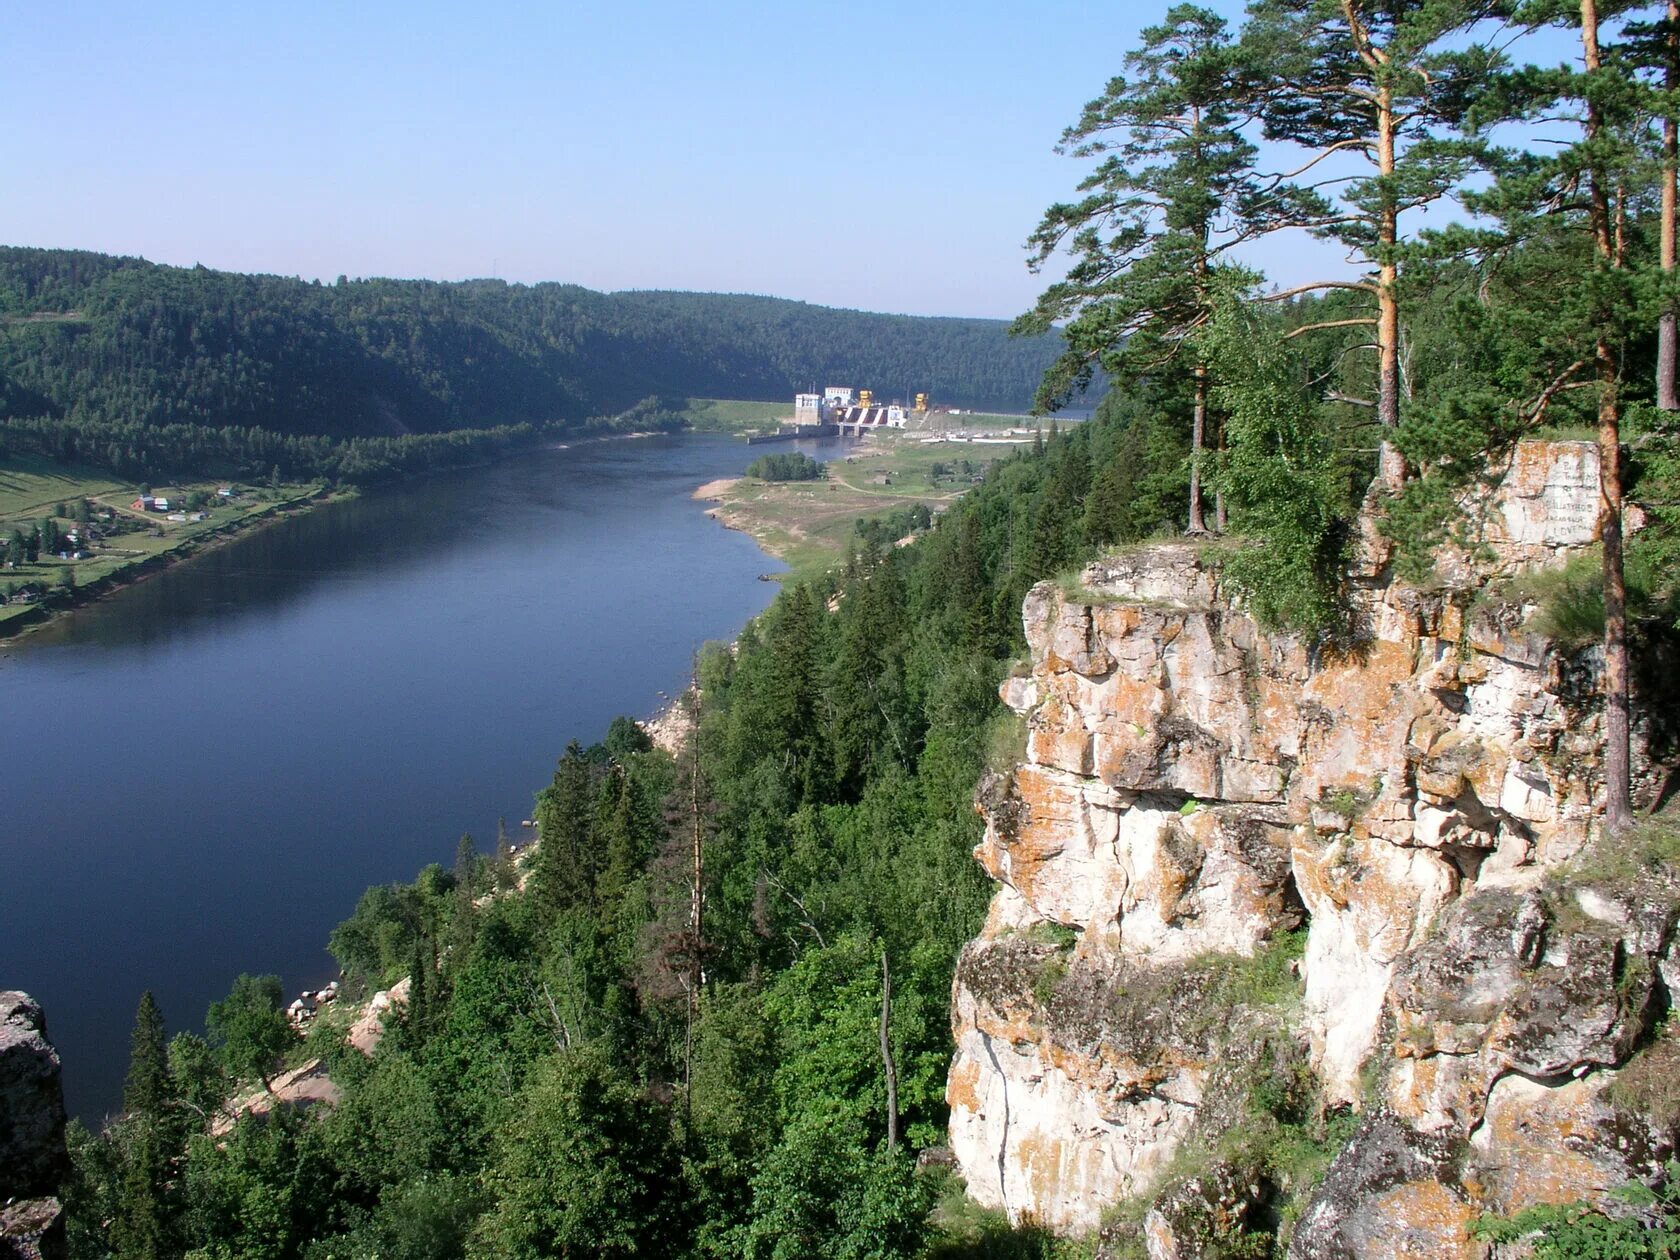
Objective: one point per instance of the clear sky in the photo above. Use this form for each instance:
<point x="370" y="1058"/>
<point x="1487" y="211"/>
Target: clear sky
<point x="887" y="156"/>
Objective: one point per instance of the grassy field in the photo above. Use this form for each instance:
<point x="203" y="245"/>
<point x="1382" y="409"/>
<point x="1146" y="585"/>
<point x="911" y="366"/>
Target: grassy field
<point x="32" y="489"/>
<point x="808" y="524"/>
<point x="735" y="416"/>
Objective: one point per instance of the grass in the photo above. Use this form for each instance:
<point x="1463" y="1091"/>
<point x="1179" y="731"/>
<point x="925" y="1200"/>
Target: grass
<point x="809" y="524"/>
<point x="1005" y="740"/>
<point x="31" y="486"/>
<point x="987" y="420"/>
<point x="1047" y="932"/>
<point x="1569" y="601"/>
<point x="1267" y="978"/>
<point x="963" y="1230"/>
<point x="1348" y="803"/>
<point x="730" y="415"/>
<point x="30" y="489"/>
<point x="1651" y="847"/>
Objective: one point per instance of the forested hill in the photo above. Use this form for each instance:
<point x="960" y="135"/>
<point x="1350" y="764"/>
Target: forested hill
<point x="95" y="337"/>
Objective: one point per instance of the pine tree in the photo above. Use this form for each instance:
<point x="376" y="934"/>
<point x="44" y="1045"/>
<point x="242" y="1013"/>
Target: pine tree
<point x="1588" y="294"/>
<point x="621" y="838"/>
<point x="1377" y="80"/>
<point x="794" y="694"/>
<point x="1176" y="191"/>
<point x="506" y="873"/>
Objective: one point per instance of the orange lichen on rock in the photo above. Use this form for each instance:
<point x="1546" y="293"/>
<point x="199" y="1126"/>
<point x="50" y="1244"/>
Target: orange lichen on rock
<point x="1195" y="785"/>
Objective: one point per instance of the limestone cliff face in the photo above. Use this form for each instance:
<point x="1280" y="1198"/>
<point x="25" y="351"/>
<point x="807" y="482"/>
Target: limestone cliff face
<point x="1195" y="788"/>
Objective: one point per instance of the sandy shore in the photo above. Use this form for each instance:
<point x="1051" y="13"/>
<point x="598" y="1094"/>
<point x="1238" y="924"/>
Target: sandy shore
<point x="715" y="489"/>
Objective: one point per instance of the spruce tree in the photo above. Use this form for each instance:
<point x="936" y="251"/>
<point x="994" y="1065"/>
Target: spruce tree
<point x="150" y="1139"/>
<point x="567" y="858"/>
<point x="463" y="914"/>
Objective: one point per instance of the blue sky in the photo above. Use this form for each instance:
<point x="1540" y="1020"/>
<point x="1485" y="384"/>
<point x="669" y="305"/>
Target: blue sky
<point x="884" y="156"/>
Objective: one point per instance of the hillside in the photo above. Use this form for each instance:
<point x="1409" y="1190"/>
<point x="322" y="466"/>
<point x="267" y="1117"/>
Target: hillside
<point x="90" y="336"/>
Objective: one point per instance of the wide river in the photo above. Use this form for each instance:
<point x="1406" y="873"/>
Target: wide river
<point x="203" y="772"/>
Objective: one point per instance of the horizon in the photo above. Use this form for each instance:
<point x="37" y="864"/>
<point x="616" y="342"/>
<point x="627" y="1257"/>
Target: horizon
<point x="325" y="282"/>
<point x="871" y="159"/>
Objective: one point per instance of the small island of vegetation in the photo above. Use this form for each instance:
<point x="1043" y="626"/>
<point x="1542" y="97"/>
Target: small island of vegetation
<point x="788" y="466"/>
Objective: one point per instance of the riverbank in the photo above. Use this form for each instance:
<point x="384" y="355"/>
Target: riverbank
<point x="32" y="489"/>
<point x="109" y="569"/>
<point x="809" y="525"/>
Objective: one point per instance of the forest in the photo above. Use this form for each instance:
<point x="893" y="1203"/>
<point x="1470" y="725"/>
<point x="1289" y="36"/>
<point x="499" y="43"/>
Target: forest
<point x="714" y="1020"/>
<point x="88" y="338"/>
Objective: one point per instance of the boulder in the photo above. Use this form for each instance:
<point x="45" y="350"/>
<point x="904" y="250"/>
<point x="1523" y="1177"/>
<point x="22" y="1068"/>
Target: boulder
<point x="33" y="1160"/>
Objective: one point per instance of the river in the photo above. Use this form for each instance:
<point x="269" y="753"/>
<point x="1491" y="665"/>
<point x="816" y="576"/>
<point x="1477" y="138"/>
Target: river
<point x="204" y="771"/>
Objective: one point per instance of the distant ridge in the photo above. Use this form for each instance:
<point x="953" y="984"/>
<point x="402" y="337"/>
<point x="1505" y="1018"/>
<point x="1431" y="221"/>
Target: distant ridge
<point x="98" y="337"/>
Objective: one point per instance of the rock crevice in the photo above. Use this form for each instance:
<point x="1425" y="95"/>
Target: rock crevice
<point x="1197" y="794"/>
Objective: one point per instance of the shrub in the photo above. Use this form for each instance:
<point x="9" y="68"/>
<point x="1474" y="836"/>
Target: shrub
<point x="1647" y="1224"/>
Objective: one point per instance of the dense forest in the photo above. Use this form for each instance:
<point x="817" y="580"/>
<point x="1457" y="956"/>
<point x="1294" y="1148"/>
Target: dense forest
<point x="714" y="1021"/>
<point x="91" y="338"/>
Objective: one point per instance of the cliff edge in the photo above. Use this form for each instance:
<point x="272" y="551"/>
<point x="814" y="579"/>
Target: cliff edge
<point x="1307" y="942"/>
<point x="33" y="1160"/>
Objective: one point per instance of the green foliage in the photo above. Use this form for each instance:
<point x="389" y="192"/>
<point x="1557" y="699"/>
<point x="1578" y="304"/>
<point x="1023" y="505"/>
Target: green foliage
<point x="1051" y="972"/>
<point x="1280" y="475"/>
<point x="1646" y="1226"/>
<point x="568" y="858"/>
<point x="249" y="1028"/>
<point x="375" y="942"/>
<point x="151" y="1136"/>
<point x="1056" y="935"/>
<point x="260" y="1193"/>
<point x="963" y="1230"/>
<point x="1347" y="803"/>
<point x="157" y="346"/>
<point x="822" y="1193"/>
<point x="588" y="1167"/>
<point x="785" y="466"/>
<point x="670" y="1042"/>
<point x="1569" y="601"/>
<point x="1269" y="978"/>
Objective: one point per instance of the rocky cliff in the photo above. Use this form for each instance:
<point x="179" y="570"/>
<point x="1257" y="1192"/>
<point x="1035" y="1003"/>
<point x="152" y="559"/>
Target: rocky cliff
<point x="1314" y="941"/>
<point x="33" y="1161"/>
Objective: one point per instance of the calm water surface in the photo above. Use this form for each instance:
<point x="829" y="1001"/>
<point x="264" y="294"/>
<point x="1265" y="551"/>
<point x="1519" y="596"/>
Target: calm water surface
<point x="204" y="771"/>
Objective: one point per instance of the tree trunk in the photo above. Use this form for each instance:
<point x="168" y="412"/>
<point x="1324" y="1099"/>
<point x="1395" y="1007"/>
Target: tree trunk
<point x="1391" y="465"/>
<point x="1198" y="428"/>
<point x="1618" y="758"/>
<point x="886" y="1052"/>
<point x="1668" y="396"/>
<point x="1220" y="520"/>
<point x="1618" y="768"/>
